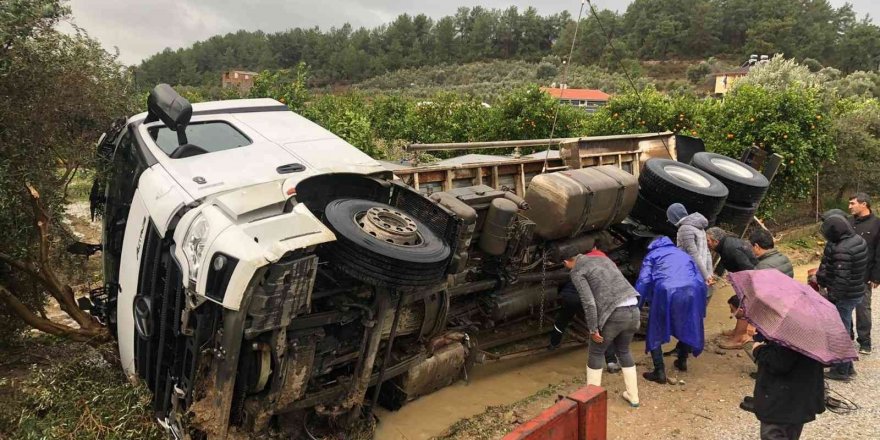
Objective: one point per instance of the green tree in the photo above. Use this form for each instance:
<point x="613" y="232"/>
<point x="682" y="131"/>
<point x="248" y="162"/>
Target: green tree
<point x="345" y="116"/>
<point x="529" y="113"/>
<point x="855" y="131"/>
<point x="285" y="86"/>
<point x="59" y="93"/>
<point x="648" y="111"/>
<point x="789" y="121"/>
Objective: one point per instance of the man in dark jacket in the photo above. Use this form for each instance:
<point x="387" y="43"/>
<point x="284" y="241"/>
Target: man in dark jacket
<point x="843" y="272"/>
<point x="867" y="225"/>
<point x="769" y="257"/>
<point x="789" y="391"/>
<point x="735" y="254"/>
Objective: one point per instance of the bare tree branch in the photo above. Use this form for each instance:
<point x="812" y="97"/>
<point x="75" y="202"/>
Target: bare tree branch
<point x="60" y="291"/>
<point x="94" y="335"/>
<point x="68" y="177"/>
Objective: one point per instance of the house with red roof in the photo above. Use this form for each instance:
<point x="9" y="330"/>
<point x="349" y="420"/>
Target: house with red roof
<point x="588" y="99"/>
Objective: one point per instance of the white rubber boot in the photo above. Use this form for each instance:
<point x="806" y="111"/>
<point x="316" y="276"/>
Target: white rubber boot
<point x="594" y="377"/>
<point x="630" y="380"/>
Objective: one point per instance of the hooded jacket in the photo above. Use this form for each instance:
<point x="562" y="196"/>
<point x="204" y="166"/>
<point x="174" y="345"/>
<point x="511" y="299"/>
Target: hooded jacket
<point x="671" y="283"/>
<point x="691" y="238"/>
<point x="844" y="266"/>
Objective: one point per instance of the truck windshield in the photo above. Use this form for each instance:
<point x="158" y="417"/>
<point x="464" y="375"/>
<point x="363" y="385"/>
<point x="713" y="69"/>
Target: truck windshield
<point x="211" y="136"/>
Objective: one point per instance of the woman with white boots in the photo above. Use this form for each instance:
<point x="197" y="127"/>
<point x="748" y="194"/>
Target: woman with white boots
<point x="612" y="315"/>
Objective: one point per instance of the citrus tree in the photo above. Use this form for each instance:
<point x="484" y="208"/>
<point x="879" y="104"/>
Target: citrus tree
<point x="789" y="121"/>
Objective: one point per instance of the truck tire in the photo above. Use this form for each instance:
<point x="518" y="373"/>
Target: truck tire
<point x="746" y="185"/>
<point x="664" y="182"/>
<point x="736" y="215"/>
<point x="383" y="246"/>
<point x="652" y="216"/>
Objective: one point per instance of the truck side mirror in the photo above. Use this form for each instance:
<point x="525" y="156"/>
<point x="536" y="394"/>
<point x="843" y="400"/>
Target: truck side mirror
<point x="164" y="104"/>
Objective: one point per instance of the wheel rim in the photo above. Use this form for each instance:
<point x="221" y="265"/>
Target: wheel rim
<point x="390" y="226"/>
<point x="732" y="167"/>
<point x="688" y="176"/>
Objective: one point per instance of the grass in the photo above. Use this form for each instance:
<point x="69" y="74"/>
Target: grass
<point x="72" y="393"/>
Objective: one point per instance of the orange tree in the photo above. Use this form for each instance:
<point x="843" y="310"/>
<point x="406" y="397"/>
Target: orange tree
<point x="648" y="111"/>
<point x="790" y="121"/>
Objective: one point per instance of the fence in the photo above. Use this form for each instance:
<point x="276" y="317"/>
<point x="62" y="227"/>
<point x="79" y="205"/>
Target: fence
<point x="582" y="415"/>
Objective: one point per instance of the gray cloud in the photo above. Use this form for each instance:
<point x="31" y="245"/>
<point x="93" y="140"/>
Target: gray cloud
<point x="140" y="28"/>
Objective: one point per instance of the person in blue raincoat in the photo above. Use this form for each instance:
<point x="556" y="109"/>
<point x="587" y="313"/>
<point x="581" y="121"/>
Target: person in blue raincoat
<point x="675" y="289"/>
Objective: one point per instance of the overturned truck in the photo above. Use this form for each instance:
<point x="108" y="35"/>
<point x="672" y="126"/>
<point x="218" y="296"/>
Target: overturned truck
<point x="258" y="268"/>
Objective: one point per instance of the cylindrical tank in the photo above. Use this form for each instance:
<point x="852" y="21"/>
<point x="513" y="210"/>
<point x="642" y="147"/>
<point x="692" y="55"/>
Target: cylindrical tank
<point x="578" y="245"/>
<point x="568" y="203"/>
<point x="496" y="230"/>
<point x="515" y="303"/>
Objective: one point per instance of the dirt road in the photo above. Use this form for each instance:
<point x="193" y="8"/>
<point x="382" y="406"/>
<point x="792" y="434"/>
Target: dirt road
<point x="705" y="407"/>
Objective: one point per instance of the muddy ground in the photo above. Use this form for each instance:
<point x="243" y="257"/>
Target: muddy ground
<point x="505" y="394"/>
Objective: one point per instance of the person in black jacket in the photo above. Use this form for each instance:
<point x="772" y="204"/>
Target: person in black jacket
<point x="736" y="255"/>
<point x="842" y="273"/>
<point x="867" y="225"/>
<point x="789" y="391"/>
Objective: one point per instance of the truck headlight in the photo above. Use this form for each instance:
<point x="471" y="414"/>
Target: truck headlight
<point x="194" y="245"/>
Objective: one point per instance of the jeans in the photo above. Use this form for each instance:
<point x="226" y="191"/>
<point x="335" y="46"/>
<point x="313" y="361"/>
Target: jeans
<point x="681" y="350"/>
<point x="863" y="320"/>
<point x="770" y="431"/>
<point x="570" y="306"/>
<point x="617" y="332"/>
<point x="845" y="307"/>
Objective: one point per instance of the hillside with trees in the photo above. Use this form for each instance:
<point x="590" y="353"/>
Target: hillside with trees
<point x="647" y="30"/>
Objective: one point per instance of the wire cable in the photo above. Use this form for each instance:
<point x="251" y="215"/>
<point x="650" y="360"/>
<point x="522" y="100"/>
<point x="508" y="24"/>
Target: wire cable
<point x="626" y="74"/>
<point x="562" y="84"/>
<point x="839" y="404"/>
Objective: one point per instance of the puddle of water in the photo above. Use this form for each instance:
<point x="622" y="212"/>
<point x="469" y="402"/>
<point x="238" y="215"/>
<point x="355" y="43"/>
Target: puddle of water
<point x="493" y="384"/>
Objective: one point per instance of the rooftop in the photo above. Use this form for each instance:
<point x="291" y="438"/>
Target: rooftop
<point x="585" y="94"/>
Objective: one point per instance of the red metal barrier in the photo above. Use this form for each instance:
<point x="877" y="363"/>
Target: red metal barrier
<point x="582" y="415"/>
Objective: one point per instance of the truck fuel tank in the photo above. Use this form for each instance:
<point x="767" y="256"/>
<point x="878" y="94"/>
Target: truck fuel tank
<point x="568" y="203"/>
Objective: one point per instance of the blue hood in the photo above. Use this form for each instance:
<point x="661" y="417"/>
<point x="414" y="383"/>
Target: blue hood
<point x="660" y="242"/>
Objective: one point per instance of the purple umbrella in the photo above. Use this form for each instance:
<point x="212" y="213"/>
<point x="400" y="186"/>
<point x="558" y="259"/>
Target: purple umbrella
<point x="793" y="314"/>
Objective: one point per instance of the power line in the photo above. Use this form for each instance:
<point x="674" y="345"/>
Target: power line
<point x="626" y="74"/>
<point x="562" y="85"/>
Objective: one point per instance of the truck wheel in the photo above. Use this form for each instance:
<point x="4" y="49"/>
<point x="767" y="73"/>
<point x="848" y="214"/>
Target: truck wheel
<point x="664" y="182"/>
<point x="736" y="215"/>
<point x="746" y="185"/>
<point x="383" y="246"/>
<point x="652" y="216"/>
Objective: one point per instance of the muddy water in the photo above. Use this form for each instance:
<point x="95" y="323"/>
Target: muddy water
<point x="509" y="381"/>
<point x="497" y="383"/>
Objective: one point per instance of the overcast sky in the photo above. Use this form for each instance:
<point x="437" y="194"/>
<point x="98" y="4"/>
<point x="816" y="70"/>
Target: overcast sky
<point x="140" y="28"/>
